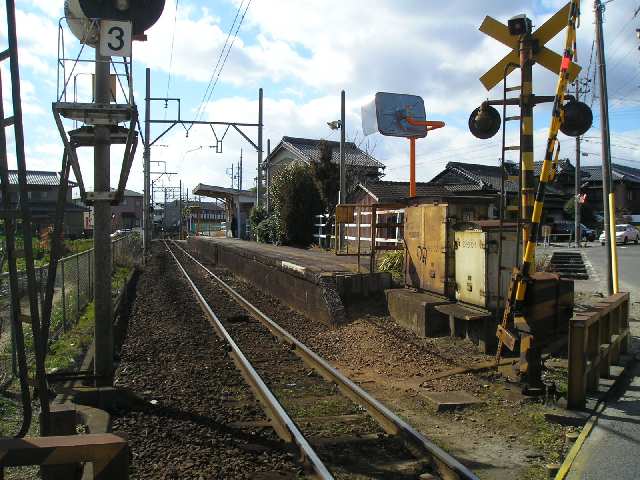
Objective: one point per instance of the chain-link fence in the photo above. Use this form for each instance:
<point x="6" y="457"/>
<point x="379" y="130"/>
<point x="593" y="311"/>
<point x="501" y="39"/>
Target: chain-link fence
<point x="73" y="291"/>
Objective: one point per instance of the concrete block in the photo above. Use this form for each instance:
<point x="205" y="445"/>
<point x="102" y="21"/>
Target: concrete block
<point x="62" y="421"/>
<point x="446" y="401"/>
<point x="416" y="311"/>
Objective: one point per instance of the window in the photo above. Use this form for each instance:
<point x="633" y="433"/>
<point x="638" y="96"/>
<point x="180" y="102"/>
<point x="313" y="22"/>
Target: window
<point x="468" y="214"/>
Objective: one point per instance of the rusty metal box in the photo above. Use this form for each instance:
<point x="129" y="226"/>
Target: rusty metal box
<point x="481" y="277"/>
<point x="426" y="235"/>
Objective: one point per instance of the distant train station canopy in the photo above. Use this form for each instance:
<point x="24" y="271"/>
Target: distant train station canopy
<point x="212" y="191"/>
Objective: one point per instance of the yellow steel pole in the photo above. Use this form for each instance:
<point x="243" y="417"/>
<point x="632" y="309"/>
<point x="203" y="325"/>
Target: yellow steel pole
<point x="612" y="236"/>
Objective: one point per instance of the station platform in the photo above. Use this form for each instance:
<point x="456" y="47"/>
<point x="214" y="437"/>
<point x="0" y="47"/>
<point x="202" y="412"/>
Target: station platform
<point x="315" y="282"/>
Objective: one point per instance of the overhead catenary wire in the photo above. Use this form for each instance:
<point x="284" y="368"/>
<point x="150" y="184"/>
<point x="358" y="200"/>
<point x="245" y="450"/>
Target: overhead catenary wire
<point x="173" y="38"/>
<point x="220" y="56"/>
<point x="235" y="35"/>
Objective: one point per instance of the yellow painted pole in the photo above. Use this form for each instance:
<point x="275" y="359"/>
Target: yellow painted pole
<point x="612" y="236"/>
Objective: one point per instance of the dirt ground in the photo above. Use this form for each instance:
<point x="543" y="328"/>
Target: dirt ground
<point x="506" y="436"/>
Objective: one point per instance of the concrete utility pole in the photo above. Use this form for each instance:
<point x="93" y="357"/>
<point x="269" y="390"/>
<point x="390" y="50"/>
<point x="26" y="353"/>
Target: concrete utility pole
<point x="342" y="196"/>
<point x="267" y="180"/>
<point x="180" y="211"/>
<point x="103" y="364"/>
<point x="147" y="230"/>
<point x="259" y="188"/>
<point x="239" y="170"/>
<point x="605" y="148"/>
<point x="577" y="230"/>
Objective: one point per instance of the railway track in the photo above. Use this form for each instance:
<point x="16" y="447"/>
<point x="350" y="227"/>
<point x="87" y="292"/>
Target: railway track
<point x="339" y="430"/>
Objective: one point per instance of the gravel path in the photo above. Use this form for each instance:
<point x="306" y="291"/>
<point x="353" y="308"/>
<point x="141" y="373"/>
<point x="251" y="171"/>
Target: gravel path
<point x="196" y="418"/>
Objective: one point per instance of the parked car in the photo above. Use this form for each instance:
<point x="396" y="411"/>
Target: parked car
<point x="625" y="233"/>
<point x="565" y="231"/>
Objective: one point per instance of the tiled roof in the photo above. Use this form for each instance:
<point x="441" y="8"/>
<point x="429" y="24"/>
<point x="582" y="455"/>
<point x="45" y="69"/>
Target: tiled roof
<point x="458" y="176"/>
<point x="618" y="173"/>
<point x="387" y="191"/>
<point x="308" y="149"/>
<point x="38" y="178"/>
<point x="483" y="176"/>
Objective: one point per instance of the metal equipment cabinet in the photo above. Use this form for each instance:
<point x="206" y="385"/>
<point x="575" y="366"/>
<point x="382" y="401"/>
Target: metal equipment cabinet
<point x="429" y="241"/>
<point x="478" y="263"/>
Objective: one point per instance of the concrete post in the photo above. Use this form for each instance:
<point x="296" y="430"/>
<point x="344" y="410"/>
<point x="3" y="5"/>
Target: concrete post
<point x="605" y="151"/>
<point x="259" y="192"/>
<point x="147" y="230"/>
<point x="342" y="195"/>
<point x="101" y="234"/>
<point x="577" y="231"/>
<point x="267" y="180"/>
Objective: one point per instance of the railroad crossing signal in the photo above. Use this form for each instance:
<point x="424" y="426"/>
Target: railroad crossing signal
<point x="541" y="54"/>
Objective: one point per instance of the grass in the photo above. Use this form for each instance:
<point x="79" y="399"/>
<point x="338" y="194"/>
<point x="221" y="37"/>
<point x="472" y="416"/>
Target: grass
<point x="41" y="254"/>
<point x="65" y="352"/>
<point x="526" y="422"/>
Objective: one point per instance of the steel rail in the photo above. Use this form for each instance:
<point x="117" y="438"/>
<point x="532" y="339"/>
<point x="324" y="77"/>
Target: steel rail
<point x="446" y="465"/>
<point x="284" y="426"/>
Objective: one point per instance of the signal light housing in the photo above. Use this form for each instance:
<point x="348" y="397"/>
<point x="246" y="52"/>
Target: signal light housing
<point x="576" y="118"/>
<point x="484" y="121"/>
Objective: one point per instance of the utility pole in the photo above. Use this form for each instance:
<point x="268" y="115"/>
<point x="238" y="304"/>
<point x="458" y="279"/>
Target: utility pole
<point x="103" y="364"/>
<point x="582" y="87"/>
<point x="577" y="230"/>
<point x="343" y="181"/>
<point x="180" y="211"/>
<point x="267" y="180"/>
<point x="605" y="148"/>
<point x="239" y="173"/>
<point x="146" y="216"/>
<point x="259" y="188"/>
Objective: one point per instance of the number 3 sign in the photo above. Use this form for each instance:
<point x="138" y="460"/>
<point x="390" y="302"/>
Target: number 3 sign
<point x="115" y="38"/>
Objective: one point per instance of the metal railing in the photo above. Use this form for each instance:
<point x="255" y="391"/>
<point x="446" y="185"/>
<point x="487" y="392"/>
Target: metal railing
<point x="596" y="340"/>
<point x="74" y="288"/>
<point x="325" y="236"/>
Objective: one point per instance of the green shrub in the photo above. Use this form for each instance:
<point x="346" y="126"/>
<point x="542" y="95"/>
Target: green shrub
<point x="393" y="262"/>
<point x="257" y="216"/>
<point x="268" y="230"/>
<point x="296" y="201"/>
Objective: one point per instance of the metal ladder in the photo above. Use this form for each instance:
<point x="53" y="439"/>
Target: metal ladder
<point x="10" y="217"/>
<point x="505" y="206"/>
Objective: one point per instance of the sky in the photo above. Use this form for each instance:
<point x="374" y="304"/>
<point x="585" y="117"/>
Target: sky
<point x="303" y="53"/>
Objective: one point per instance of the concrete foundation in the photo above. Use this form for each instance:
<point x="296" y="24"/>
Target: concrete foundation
<point x="475" y="324"/>
<point x="416" y="311"/>
<point x="314" y="283"/>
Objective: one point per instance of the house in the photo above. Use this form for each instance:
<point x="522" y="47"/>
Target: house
<point x="361" y="167"/>
<point x="487" y="178"/>
<point x="128" y="213"/>
<point x="43" y="196"/>
<point x="626" y="186"/>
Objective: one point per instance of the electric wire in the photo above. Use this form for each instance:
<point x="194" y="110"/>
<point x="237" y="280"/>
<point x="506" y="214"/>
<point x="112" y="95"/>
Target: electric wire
<point x="235" y="35"/>
<point x="221" y="54"/>
<point x="173" y="38"/>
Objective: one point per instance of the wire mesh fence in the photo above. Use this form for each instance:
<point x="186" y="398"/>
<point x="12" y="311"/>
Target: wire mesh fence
<point x="73" y="291"/>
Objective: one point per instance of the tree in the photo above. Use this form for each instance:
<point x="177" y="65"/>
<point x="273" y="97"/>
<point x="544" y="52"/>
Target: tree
<point x="296" y="201"/>
<point x="327" y="177"/>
